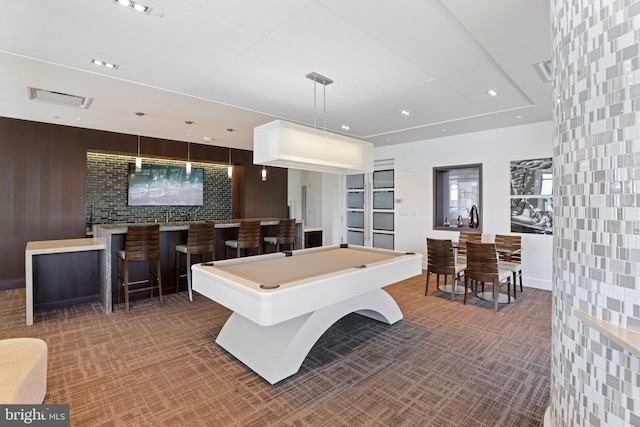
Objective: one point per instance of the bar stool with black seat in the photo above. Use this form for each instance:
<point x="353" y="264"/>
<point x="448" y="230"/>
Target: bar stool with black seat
<point x="248" y="238"/>
<point x="510" y="253"/>
<point x="286" y="235"/>
<point x="142" y="243"/>
<point x="482" y="266"/>
<point x="200" y="241"/>
<point x="441" y="261"/>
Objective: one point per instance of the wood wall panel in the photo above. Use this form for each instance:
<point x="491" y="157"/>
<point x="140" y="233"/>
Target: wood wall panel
<point x="42" y="183"/>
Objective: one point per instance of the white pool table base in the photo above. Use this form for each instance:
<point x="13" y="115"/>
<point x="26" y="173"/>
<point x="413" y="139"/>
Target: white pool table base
<point x="277" y="352"/>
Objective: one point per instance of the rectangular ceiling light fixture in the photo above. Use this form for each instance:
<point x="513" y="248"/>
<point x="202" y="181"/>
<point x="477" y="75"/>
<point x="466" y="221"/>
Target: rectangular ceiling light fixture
<point x="59" y="98"/>
<point x="290" y="145"/>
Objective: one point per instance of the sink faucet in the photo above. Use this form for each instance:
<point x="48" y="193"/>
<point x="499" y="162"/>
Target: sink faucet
<point x="168" y="215"/>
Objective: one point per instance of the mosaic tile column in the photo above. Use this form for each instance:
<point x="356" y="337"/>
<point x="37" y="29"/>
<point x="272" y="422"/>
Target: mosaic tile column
<point x="597" y="206"/>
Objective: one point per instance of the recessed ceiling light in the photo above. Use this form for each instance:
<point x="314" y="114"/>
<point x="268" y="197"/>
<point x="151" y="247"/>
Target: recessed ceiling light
<point x="101" y="63"/>
<point x="492" y="92"/>
<point x="444" y="129"/>
<point x="134" y="5"/>
<point x="405" y="113"/>
<point x="518" y="117"/>
<point x="206" y="138"/>
<point x="139" y="113"/>
<point x="345" y="127"/>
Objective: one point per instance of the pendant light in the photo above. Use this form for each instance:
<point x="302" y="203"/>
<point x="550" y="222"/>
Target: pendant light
<point x="290" y="145"/>
<point x="264" y="173"/>
<point x="138" y="159"/>
<point x="230" y="167"/>
<point x="188" y="165"/>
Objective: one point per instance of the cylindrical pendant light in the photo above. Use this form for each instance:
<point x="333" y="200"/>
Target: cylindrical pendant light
<point x="230" y="167"/>
<point x="264" y="173"/>
<point x="188" y="165"/>
<point x="138" y="159"/>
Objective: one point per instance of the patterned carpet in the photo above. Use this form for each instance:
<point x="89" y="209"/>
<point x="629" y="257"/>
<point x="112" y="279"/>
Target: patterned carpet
<point x="445" y="364"/>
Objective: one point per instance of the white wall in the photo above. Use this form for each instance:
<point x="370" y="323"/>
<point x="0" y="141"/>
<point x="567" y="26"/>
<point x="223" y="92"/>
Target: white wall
<point x="495" y="149"/>
<point x="414" y="163"/>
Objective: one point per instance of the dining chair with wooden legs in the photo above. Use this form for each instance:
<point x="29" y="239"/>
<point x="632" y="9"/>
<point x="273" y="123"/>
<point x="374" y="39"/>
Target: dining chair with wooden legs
<point x="441" y="261"/>
<point x="463" y="238"/>
<point x="482" y="266"/>
<point x="510" y="252"/>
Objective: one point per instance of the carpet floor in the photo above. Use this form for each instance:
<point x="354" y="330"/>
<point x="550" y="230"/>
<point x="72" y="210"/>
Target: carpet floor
<point x="444" y="364"/>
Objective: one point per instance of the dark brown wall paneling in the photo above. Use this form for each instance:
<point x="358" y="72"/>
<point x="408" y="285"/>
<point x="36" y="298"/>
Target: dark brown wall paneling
<point x="261" y="199"/>
<point x="42" y="183"/>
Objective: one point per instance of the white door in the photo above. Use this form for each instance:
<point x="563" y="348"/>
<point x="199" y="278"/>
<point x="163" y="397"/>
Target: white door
<point x="370" y="207"/>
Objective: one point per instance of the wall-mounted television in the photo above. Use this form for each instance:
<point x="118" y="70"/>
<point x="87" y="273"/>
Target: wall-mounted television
<point x="160" y="185"/>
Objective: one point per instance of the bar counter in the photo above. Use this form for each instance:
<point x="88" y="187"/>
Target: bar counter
<point x="171" y="233"/>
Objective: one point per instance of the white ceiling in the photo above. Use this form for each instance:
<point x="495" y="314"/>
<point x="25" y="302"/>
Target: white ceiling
<point x="238" y="64"/>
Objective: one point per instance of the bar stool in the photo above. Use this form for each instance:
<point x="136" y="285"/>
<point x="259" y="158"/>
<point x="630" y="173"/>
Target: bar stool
<point x="141" y="244"/>
<point x="200" y="241"/>
<point x="286" y="234"/>
<point x="248" y="238"/>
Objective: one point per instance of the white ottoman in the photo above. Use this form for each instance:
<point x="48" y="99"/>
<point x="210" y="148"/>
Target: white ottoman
<point x="23" y="371"/>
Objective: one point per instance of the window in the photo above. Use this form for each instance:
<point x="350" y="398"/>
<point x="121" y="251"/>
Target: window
<point x="456" y="190"/>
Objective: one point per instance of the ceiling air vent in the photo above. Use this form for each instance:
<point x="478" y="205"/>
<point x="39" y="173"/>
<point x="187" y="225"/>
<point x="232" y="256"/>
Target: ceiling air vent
<point x="544" y="70"/>
<point x="59" y="98"/>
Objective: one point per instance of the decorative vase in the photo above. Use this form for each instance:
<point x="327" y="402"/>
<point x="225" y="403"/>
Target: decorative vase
<point x="474" y="219"/>
<point x="460" y="221"/>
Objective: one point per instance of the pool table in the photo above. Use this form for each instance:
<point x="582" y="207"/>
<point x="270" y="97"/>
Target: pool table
<point x="283" y="302"/>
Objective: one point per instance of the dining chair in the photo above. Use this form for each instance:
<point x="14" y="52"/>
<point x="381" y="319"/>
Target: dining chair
<point x="482" y="266"/>
<point x="286" y="235"/>
<point x="142" y="243"/>
<point x="200" y="241"/>
<point x="441" y="261"/>
<point x="248" y="238"/>
<point x="510" y="252"/>
<point x="466" y="236"/>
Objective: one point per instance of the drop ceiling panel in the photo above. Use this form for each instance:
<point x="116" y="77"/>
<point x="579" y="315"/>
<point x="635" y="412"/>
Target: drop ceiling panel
<point x="261" y="16"/>
<point x="441" y="99"/>
<point x="281" y="86"/>
<point x="331" y="39"/>
<point x="387" y="109"/>
<point x="474" y="82"/>
<point x="427" y="33"/>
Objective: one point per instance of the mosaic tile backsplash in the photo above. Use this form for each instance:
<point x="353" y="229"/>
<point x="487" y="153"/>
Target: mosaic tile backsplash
<point x="595" y="382"/>
<point x="106" y="193"/>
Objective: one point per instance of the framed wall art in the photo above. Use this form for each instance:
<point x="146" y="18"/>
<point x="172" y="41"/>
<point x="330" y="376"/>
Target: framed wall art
<point x="532" y="196"/>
